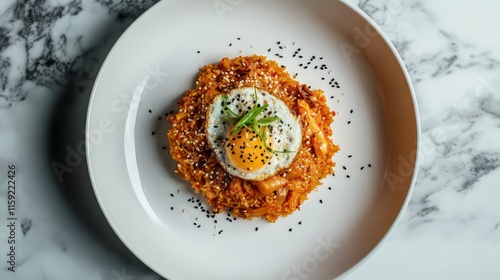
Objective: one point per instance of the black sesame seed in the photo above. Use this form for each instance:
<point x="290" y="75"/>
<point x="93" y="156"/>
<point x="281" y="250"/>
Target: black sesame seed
<point x="150" y="111"/>
<point x="349" y="122"/>
<point x="369" y="165"/>
<point x="278" y="42"/>
<point x="343" y="167"/>
<point x="153" y="133"/>
<point x="172" y="195"/>
<point x="163" y="148"/>
<point x="330" y="188"/>
<point x="198" y="51"/>
<point x="300" y="56"/>
<point x="238" y="38"/>
<point x="320" y="201"/>
<point x="256" y="229"/>
<point x="362" y="167"/>
<point x="220" y="231"/>
<point x="290" y="229"/>
<point x="269" y="50"/>
<point x="349" y="156"/>
<point x="348" y="176"/>
<point x="230" y="44"/>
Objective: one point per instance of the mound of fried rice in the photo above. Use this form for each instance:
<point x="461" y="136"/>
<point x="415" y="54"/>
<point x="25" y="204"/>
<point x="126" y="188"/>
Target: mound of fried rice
<point x="198" y="166"/>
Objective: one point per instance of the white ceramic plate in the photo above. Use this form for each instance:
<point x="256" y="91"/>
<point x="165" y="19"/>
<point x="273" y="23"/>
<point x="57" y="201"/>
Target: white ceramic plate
<point x="156" y="61"/>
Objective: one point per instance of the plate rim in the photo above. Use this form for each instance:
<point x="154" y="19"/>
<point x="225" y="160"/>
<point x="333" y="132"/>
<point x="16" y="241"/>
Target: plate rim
<point x="411" y="188"/>
<point x="355" y="9"/>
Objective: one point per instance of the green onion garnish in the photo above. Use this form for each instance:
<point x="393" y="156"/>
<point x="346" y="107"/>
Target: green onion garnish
<point x="249" y="120"/>
<point x="224" y="104"/>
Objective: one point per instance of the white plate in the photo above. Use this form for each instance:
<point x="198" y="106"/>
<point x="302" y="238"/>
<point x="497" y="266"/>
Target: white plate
<point x="156" y="61"/>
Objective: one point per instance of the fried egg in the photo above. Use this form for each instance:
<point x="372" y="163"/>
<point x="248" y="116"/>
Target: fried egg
<point x="254" y="151"/>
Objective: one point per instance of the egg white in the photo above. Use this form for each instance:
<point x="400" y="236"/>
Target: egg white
<point x="287" y="133"/>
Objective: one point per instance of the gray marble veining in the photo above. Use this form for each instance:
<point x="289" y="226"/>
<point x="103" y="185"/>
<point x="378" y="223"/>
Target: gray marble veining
<point x="51" y="50"/>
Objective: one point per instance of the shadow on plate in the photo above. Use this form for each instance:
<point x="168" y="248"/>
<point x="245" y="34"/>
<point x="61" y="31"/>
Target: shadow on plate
<point x="67" y="149"/>
<point x="163" y="146"/>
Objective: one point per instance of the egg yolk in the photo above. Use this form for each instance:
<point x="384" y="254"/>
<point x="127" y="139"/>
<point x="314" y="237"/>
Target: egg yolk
<point x="246" y="150"/>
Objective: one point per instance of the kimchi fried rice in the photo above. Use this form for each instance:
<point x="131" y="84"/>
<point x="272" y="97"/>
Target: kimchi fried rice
<point x="198" y="165"/>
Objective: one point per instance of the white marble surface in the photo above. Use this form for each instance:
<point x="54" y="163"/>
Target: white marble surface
<point x="50" y="51"/>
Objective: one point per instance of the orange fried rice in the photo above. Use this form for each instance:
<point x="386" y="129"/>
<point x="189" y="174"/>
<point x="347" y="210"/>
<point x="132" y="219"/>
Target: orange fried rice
<point x="198" y="166"/>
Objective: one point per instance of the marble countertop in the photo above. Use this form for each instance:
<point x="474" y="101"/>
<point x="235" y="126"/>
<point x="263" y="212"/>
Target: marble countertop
<point x="51" y="50"/>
